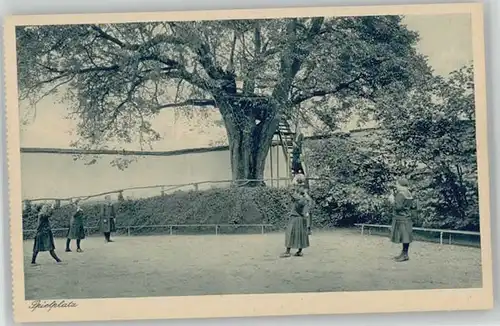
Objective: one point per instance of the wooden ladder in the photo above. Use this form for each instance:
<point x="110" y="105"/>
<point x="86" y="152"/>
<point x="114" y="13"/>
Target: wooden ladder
<point x="287" y="138"/>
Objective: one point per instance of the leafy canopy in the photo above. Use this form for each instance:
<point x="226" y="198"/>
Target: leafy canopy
<point x="115" y="78"/>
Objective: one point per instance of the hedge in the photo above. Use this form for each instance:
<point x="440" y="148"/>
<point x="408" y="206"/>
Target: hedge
<point x="234" y="206"/>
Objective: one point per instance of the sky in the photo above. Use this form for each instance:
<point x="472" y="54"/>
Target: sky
<point x="445" y="39"/>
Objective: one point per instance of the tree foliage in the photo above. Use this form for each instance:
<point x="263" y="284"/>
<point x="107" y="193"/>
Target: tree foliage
<point x="427" y="135"/>
<point x="434" y="130"/>
<point x="354" y="179"/>
<point x="117" y="77"/>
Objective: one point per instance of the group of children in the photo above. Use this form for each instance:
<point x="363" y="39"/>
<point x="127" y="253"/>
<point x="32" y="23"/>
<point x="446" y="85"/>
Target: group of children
<point x="44" y="238"/>
<point x="297" y="232"/>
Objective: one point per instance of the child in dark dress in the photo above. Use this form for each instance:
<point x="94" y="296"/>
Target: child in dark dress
<point x="44" y="239"/>
<point x="402" y="224"/>
<point x="107" y="219"/>
<point x="298" y="229"/>
<point x="296" y="156"/>
<point x="76" y="229"/>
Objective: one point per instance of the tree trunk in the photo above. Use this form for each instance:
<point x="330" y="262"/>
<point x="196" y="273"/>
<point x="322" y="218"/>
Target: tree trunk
<point x="249" y="143"/>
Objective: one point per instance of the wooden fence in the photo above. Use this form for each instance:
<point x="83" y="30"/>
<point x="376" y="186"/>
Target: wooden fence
<point x="440" y="231"/>
<point x="163" y="188"/>
<point x="216" y="228"/>
<point x="166" y="187"/>
<point x="171" y="227"/>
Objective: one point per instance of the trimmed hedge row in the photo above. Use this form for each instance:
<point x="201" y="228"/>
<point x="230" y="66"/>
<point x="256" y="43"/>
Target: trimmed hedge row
<point x="232" y="206"/>
<point x="260" y="205"/>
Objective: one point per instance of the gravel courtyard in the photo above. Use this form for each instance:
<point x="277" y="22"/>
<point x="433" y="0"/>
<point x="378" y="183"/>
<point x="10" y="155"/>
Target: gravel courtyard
<point x="142" y="266"/>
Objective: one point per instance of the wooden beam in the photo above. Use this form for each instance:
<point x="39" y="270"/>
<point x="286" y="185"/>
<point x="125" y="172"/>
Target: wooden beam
<point x="278" y="165"/>
<point x="271" y="164"/>
<point x="275" y="143"/>
<point x="72" y="151"/>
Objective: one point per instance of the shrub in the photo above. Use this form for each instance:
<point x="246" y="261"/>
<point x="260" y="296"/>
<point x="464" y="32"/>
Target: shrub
<point x="354" y="181"/>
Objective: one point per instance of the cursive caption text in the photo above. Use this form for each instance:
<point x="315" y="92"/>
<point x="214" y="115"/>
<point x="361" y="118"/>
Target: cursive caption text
<point x="49" y="305"/>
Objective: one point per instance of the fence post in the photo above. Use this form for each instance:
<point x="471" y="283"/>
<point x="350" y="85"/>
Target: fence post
<point x="195" y="186"/>
<point x="262" y="226"/>
<point x="216" y="229"/>
<point x="441" y="237"/>
<point x="171" y="230"/>
<point x="449" y="239"/>
<point x="362" y="229"/>
<point x="128" y="231"/>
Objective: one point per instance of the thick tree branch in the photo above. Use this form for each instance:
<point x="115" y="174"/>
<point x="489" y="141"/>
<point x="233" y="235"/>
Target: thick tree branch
<point x="193" y="79"/>
<point x="230" y="66"/>
<point x="368" y="77"/>
<point x="294" y="55"/>
<point x="173" y="68"/>
<point x="161" y="38"/>
<point x="322" y="92"/>
<point x="107" y="36"/>
<point x="202" y="49"/>
<point x="249" y="83"/>
<point x="190" y="102"/>
<point x="315" y="27"/>
<point x="79" y="71"/>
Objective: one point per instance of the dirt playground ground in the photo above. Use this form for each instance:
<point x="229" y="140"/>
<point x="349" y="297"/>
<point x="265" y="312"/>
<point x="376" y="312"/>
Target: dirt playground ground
<point x="142" y="266"/>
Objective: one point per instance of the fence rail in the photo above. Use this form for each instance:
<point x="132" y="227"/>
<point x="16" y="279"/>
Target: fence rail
<point x="165" y="187"/>
<point x="195" y="185"/>
<point x="440" y="231"/>
<point x="169" y="226"/>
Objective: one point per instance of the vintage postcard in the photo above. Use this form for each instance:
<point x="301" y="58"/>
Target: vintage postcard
<point x="248" y="163"/>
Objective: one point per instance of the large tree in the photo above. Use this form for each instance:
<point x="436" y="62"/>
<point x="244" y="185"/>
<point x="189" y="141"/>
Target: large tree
<point x="116" y="77"/>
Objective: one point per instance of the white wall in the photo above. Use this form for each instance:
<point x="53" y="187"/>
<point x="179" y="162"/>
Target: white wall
<point x="59" y="176"/>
